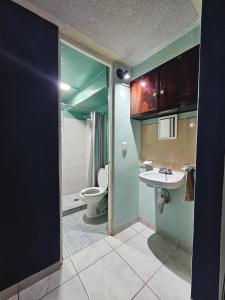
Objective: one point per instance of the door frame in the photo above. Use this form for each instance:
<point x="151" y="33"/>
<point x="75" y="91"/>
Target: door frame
<point x="108" y="64"/>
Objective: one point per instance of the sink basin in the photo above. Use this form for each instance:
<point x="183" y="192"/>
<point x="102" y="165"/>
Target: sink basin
<point x="159" y="180"/>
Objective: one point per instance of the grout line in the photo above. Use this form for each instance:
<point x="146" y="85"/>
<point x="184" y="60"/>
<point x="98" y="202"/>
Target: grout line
<point x="145" y="285"/>
<point x="78" y="272"/>
<point x="84" y="287"/>
<point x="57" y="287"/>
<point x="163" y="264"/>
<point x="61" y="283"/>
<point x="122" y="243"/>
<point x="139" y="231"/>
<point x="139" y="291"/>
<point x="153" y="291"/>
<point x="137" y="273"/>
<point x="112" y="249"/>
<point x="131" y="268"/>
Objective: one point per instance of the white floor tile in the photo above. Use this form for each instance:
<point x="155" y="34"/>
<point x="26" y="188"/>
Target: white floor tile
<point x="183" y="257"/>
<point x="154" y="238"/>
<point x="138" y="226"/>
<point x="91" y="254"/>
<point x="148" y="232"/>
<point x="145" y="294"/>
<point x="111" y="279"/>
<point x="172" y="282"/>
<point x="113" y="242"/>
<point x="144" y="261"/>
<point x="49" y="283"/>
<point x="71" y="290"/>
<point x="121" y="237"/>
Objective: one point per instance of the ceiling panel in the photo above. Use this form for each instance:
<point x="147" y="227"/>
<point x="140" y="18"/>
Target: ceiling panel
<point x="77" y="70"/>
<point x="131" y="29"/>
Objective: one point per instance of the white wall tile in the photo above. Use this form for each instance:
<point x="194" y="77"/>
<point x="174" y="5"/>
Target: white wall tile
<point x="76" y="136"/>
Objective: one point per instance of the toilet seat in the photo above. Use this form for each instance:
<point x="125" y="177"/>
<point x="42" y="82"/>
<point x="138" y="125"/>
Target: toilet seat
<point x="92" y="191"/>
<point x="93" y="195"/>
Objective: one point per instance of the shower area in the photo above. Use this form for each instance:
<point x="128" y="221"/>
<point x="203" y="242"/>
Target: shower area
<point x="84" y="145"/>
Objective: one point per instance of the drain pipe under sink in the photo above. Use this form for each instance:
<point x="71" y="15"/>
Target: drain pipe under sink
<point x="162" y="198"/>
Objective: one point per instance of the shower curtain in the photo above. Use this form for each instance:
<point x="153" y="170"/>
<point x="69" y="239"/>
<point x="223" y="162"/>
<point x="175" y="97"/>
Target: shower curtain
<point x="98" y="153"/>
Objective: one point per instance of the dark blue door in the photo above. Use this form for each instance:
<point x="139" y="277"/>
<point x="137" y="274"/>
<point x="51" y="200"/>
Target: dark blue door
<point x="210" y="153"/>
<point x="29" y="193"/>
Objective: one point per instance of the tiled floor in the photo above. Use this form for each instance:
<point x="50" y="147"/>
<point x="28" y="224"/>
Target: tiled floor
<point x="135" y="264"/>
<point x="71" y="201"/>
<point x="78" y="233"/>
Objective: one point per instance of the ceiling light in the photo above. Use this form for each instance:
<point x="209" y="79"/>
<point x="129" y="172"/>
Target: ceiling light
<point x="122" y="75"/>
<point x="126" y="75"/>
<point x="142" y="83"/>
<point x="65" y="86"/>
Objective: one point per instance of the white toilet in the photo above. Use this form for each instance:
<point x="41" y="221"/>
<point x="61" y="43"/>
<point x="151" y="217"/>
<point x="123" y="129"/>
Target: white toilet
<point x="93" y="195"/>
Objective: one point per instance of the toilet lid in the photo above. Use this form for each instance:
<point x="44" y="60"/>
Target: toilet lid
<point x="103" y="177"/>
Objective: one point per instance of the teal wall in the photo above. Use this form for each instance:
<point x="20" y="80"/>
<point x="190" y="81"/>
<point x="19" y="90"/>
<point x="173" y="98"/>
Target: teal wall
<point x="177" y="218"/>
<point x="125" y="168"/>
<point x="182" y="44"/>
<point x="133" y="198"/>
<point x="78" y="70"/>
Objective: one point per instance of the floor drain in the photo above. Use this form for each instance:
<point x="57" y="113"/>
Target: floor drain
<point x="76" y="199"/>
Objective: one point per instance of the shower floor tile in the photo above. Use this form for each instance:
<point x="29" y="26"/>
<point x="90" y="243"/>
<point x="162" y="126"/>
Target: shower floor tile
<point x="78" y="233"/>
<point x="69" y="202"/>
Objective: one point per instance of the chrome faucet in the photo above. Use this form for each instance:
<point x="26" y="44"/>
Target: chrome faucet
<point x="165" y="171"/>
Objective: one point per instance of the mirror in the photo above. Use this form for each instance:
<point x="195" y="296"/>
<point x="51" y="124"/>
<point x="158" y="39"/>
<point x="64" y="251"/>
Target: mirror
<point x="167" y="127"/>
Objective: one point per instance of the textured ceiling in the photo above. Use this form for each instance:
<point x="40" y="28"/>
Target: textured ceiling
<point x="132" y="29"/>
<point x="77" y="70"/>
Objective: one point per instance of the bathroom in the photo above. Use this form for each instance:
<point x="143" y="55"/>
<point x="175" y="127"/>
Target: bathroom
<point x="84" y="138"/>
<point x="113" y="194"/>
<point x="152" y="138"/>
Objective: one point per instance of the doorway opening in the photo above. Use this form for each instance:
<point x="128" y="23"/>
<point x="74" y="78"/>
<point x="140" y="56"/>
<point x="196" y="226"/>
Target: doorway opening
<point x="85" y="128"/>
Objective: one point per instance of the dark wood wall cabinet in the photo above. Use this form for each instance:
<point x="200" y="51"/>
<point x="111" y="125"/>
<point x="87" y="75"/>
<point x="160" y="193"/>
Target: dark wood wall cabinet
<point x="170" y="88"/>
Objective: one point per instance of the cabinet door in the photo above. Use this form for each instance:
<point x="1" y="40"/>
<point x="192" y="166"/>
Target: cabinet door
<point x="144" y="93"/>
<point x="179" y="80"/>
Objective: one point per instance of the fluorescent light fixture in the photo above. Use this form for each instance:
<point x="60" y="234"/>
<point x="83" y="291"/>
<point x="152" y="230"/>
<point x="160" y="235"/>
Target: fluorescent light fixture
<point x="64" y="86"/>
<point x="142" y="83"/>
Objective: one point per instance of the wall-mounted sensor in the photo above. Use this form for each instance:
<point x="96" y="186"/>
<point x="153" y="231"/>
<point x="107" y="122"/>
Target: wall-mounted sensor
<point x="122" y="75"/>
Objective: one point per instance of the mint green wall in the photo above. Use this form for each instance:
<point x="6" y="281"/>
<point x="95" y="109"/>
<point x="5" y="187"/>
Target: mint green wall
<point x="77" y="70"/>
<point x="127" y="205"/>
<point x="177" y="218"/>
<point x="125" y="168"/>
<point x="136" y="128"/>
<point x="95" y="87"/>
<point x="75" y="114"/>
<point x="182" y="44"/>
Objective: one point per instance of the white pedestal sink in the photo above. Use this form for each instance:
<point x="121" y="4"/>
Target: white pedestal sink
<point x="165" y="181"/>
